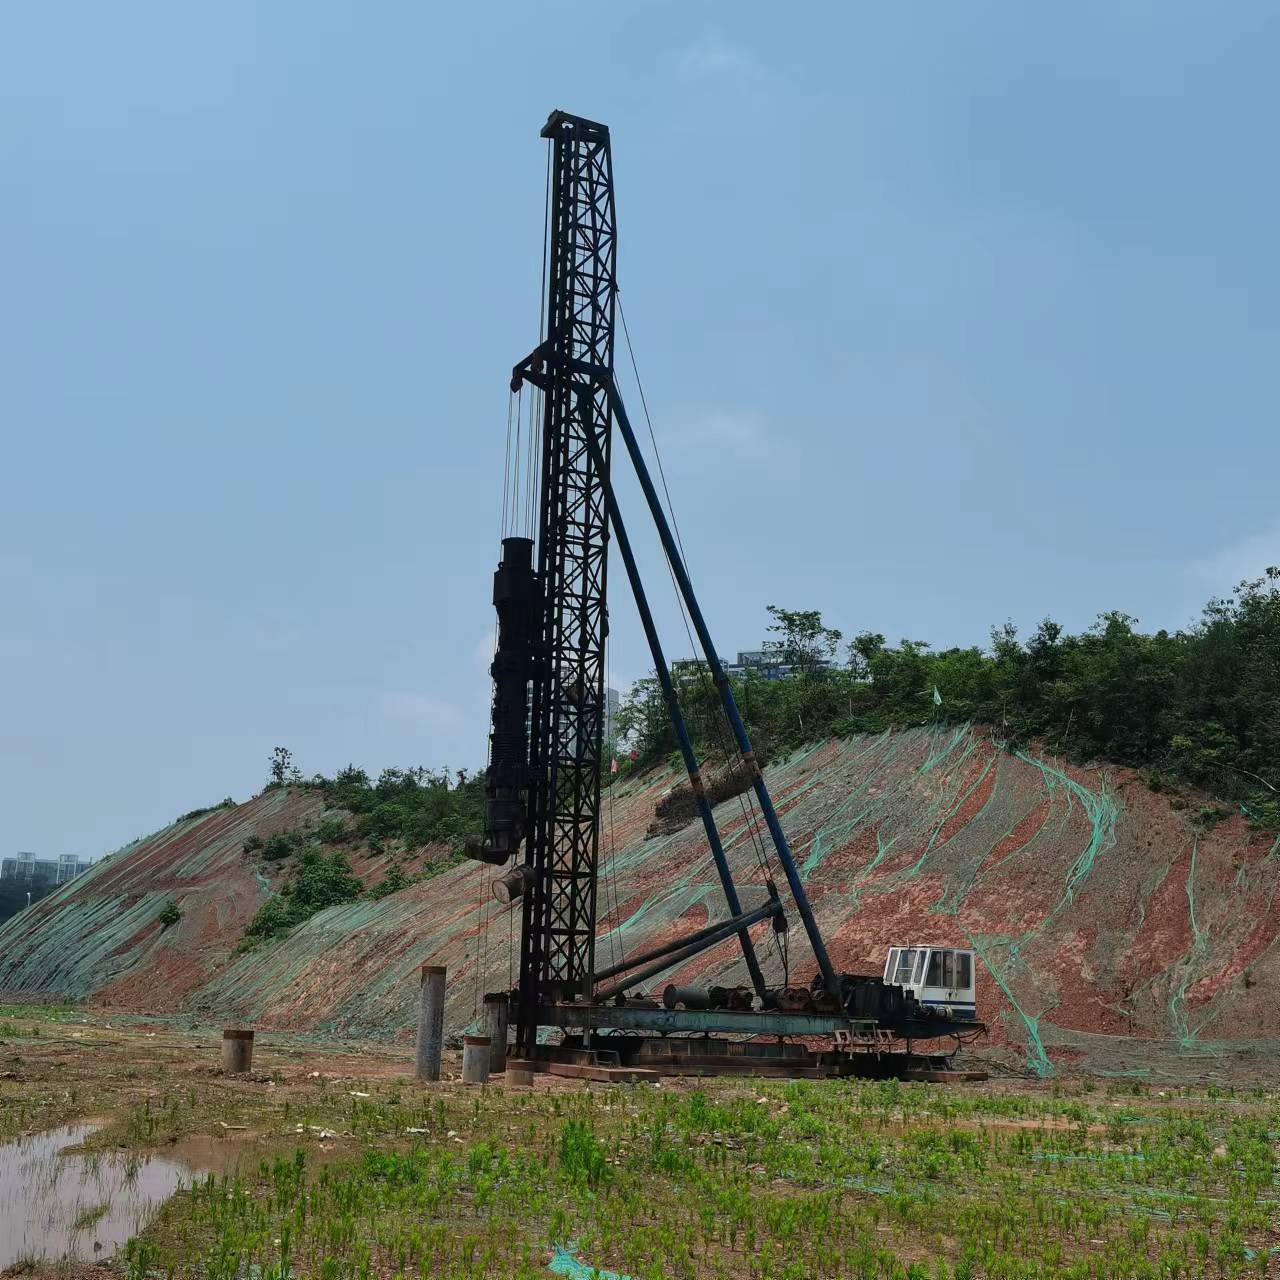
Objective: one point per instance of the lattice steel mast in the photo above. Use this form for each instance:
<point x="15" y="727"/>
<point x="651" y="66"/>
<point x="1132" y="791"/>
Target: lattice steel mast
<point x="558" y="939"/>
<point x="543" y="782"/>
<point x="552" y="625"/>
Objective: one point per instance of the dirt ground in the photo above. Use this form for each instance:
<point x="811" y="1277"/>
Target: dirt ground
<point x="329" y="1159"/>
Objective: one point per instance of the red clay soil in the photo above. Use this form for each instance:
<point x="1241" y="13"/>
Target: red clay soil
<point x="1071" y="882"/>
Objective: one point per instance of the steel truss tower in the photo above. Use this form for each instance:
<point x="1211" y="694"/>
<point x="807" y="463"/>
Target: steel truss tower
<point x="558" y="937"/>
<point x="542" y="791"/>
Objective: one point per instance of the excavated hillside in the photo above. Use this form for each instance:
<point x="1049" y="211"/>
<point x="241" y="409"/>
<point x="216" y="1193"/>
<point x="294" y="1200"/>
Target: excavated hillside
<point x="1120" y="931"/>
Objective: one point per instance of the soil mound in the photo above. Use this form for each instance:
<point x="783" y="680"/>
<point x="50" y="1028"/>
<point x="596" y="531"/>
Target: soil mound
<point x="1118" y="933"/>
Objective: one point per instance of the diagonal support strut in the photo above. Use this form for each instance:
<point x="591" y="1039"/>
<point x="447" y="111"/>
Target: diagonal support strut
<point x="669" y="545"/>
<point x="677" y="719"/>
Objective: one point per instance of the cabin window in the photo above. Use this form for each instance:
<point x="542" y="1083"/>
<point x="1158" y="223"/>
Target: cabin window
<point x="935" y="969"/>
<point x="964" y="966"/>
<point x="906" y="961"/>
<point x="921" y="957"/>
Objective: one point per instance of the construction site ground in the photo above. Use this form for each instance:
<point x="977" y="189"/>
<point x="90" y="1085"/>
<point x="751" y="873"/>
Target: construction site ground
<point x="1118" y="930"/>
<point x="330" y="1160"/>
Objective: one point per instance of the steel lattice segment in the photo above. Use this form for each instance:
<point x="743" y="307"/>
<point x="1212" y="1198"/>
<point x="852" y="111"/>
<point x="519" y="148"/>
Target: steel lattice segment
<point x="558" y="938"/>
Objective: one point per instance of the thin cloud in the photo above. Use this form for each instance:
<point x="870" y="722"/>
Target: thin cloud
<point x="737" y="435"/>
<point x="482" y="653"/>
<point x="269" y="642"/>
<point x="423" y="709"/>
<point x="1247" y="559"/>
<point x="713" y="59"/>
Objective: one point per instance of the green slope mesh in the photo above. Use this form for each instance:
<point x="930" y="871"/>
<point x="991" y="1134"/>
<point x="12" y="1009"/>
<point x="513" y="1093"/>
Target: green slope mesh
<point x="567" y="1263"/>
<point x="1099" y="948"/>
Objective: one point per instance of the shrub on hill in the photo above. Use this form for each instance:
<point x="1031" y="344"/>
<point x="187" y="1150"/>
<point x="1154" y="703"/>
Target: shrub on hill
<point x="1200" y="706"/>
<point x="319" y="880"/>
<point x="413" y="807"/>
<point x="227" y="803"/>
<point x="392" y="882"/>
<point x="408" y="808"/>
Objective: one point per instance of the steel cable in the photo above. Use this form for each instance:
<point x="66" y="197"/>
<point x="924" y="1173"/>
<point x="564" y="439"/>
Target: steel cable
<point x="746" y="801"/>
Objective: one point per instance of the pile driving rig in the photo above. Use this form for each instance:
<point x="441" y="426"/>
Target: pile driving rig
<point x="543" y="793"/>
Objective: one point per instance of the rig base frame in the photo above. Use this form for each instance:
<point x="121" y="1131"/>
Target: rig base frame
<point x="643" y="1040"/>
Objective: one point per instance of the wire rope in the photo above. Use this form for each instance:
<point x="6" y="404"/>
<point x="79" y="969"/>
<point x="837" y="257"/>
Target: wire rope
<point x="616" y="951"/>
<point x="508" y="524"/>
<point x="516" y="522"/>
<point x="479" y="958"/>
<point x="537" y="400"/>
<point x="726" y="751"/>
<point x="506" y="469"/>
<point x="519" y="491"/>
<point x="746" y="801"/>
<point x="511" y="943"/>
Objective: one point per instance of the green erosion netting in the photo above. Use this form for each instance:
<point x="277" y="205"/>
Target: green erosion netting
<point x="101" y="935"/>
<point x="567" y="1263"/>
<point x="1116" y="933"/>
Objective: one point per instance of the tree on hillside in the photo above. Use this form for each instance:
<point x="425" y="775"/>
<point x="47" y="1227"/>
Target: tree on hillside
<point x="1200" y="705"/>
<point x="862" y="650"/>
<point x="804" y="644"/>
<point x="282" y="767"/>
<point x="642" y="719"/>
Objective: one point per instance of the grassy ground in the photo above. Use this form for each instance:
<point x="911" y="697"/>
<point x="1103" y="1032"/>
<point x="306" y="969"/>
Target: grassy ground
<point x="335" y="1164"/>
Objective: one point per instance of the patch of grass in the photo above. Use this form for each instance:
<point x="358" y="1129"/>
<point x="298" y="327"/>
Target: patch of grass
<point x="750" y="1180"/>
<point x="723" y="1180"/>
<point x="582" y="1158"/>
<point x="26" y="1020"/>
<point x="320" y="880"/>
<point x="283" y="845"/>
<point x="227" y="803"/>
<point x="90" y="1216"/>
<point x="10" y="1030"/>
<point x="392" y="882"/>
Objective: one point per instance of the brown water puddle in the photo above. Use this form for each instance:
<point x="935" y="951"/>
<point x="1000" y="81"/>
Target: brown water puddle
<point x="84" y="1206"/>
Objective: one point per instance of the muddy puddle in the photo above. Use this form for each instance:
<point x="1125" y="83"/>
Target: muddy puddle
<point x="84" y="1207"/>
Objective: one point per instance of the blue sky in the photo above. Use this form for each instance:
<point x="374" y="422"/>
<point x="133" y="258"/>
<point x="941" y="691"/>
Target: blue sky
<point x="946" y="314"/>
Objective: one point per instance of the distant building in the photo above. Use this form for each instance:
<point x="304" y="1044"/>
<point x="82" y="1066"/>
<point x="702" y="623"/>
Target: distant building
<point x="611" y="704"/>
<point x="764" y="663"/>
<point x="761" y="662"/>
<point x="31" y="872"/>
